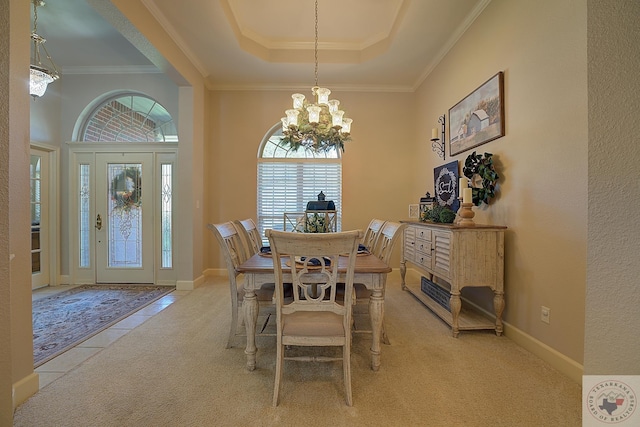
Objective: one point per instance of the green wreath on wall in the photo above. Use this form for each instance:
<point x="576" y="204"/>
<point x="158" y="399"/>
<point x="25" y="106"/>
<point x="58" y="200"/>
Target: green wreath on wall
<point x="482" y="177"/>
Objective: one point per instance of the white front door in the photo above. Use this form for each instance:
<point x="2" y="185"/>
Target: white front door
<point x="124" y="218"/>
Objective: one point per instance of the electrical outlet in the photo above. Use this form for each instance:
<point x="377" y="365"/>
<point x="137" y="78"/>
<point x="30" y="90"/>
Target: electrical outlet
<point x="545" y="314"/>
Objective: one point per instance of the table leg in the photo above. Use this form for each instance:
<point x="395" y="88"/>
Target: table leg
<point x="376" y="312"/>
<point x="403" y="273"/>
<point x="250" y="311"/>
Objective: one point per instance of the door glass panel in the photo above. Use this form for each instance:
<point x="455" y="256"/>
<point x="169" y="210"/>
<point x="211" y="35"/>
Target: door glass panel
<point x="85" y="216"/>
<point x="167" y="244"/>
<point x="125" y="215"/>
<point x="36" y="206"/>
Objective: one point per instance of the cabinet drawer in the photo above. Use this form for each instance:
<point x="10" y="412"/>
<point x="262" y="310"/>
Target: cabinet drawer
<point x="423" y="260"/>
<point x="423" y="246"/>
<point x="423" y="234"/>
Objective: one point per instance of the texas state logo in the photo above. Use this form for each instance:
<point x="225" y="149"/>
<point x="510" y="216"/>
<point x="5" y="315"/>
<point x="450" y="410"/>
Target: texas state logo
<point x="610" y="402"/>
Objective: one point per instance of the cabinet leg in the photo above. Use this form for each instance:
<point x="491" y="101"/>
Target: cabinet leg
<point x="456" y="305"/>
<point x="498" y="305"/>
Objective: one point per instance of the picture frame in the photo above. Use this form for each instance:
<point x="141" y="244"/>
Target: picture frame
<point x="479" y="117"/>
<point x="445" y="183"/>
<point x="414" y="211"/>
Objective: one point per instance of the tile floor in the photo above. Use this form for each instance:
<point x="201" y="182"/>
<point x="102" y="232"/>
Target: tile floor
<point x="60" y="365"/>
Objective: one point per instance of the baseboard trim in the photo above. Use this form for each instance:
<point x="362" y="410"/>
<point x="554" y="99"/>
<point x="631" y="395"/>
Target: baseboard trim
<point x="559" y="361"/>
<point x="189" y="285"/>
<point x="215" y="272"/>
<point x="25" y="388"/>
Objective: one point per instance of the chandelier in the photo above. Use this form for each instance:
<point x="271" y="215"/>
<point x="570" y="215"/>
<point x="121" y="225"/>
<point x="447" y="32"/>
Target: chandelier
<point x="39" y="76"/>
<point x="319" y="126"/>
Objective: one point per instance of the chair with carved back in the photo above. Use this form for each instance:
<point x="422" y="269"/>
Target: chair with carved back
<point x="314" y="317"/>
<point x="249" y="230"/>
<point x="233" y="250"/>
<point x="372" y="233"/>
<point x="389" y="234"/>
<point x="383" y="248"/>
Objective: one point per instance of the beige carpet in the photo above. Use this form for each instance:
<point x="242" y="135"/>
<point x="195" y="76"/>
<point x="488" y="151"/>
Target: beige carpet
<point x="174" y="370"/>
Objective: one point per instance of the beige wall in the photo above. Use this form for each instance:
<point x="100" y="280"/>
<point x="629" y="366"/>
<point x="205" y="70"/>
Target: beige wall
<point x="611" y="343"/>
<point x="5" y="290"/>
<point x="542" y="159"/>
<point x="376" y="181"/>
<point x="16" y="322"/>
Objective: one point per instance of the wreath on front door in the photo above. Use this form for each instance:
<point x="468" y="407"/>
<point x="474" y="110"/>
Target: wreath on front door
<point x="126" y="189"/>
<point x="482" y="177"/>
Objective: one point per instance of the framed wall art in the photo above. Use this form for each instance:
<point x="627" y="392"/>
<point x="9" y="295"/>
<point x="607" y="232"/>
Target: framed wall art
<point x="478" y="118"/>
<point x="445" y="179"/>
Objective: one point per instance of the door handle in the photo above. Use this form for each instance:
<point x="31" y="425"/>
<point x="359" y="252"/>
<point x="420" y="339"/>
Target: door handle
<point x="99" y="222"/>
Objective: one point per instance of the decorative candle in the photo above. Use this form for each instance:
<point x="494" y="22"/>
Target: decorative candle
<point x="434" y="133"/>
<point x="467" y="195"/>
<point x="464" y="183"/>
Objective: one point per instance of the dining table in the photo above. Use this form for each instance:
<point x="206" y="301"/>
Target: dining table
<point x="370" y="271"/>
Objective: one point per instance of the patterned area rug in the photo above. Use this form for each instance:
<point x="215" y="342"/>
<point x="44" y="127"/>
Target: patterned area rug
<point x="63" y="320"/>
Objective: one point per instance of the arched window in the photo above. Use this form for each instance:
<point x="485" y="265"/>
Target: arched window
<point x="288" y="179"/>
<point x="129" y="117"/>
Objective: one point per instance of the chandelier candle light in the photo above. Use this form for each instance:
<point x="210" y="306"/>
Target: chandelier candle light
<point x="319" y="126"/>
<point x="39" y="75"/>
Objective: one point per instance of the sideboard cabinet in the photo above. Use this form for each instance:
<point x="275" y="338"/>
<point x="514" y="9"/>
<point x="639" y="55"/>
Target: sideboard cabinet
<point x="461" y="257"/>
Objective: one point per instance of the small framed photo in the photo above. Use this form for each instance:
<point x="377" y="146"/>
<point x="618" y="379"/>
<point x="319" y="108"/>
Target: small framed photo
<point x="478" y="118"/>
<point x="414" y="211"/>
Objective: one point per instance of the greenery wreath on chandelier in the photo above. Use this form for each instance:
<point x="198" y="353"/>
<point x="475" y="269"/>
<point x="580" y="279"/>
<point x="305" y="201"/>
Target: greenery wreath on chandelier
<point x="482" y="177"/>
<point x="319" y="137"/>
<point x="126" y="189"/>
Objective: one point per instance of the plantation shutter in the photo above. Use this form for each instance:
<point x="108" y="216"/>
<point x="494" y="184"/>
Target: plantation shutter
<point x="286" y="185"/>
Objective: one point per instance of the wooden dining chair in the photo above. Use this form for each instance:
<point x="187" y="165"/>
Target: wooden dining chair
<point x="372" y="233"/>
<point x="251" y="236"/>
<point x="383" y="248"/>
<point x="233" y="250"/>
<point x="313" y="317"/>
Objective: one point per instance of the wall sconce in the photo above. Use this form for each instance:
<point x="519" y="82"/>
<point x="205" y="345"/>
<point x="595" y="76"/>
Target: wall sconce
<point x="437" y="143"/>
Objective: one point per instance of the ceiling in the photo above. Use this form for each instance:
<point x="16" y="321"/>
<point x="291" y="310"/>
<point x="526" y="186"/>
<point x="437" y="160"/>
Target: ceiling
<point x="373" y="45"/>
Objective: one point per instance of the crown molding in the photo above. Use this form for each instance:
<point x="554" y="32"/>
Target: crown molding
<point x="111" y="69"/>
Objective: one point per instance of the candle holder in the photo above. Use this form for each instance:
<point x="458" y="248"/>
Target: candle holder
<point x="437" y="144"/>
<point x="466" y="215"/>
